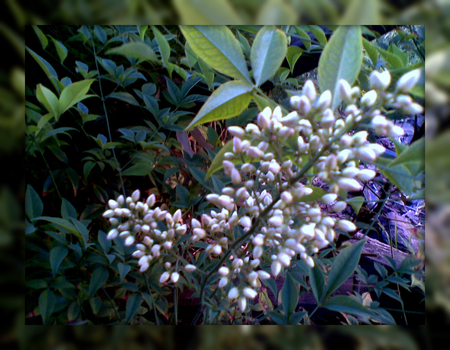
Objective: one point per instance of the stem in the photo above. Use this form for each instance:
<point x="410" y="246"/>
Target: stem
<point x="113" y="304"/>
<point x="377" y="214"/>
<point x="151" y="297"/>
<point x="106" y="115"/>
<point x="175" y="297"/>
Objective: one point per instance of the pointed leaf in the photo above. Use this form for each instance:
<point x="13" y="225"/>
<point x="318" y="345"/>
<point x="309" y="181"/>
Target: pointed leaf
<point x="68" y="210"/>
<point x="267" y="53"/>
<point x="348" y="305"/>
<point x="317" y="281"/>
<point x="98" y="279"/>
<point x="33" y="203"/>
<point x="228" y="101"/>
<point x="57" y="255"/>
<point x="133" y="304"/>
<point x="104" y="242"/>
<point x="371" y="51"/>
<point x="41" y="36"/>
<point x="137" y="50"/>
<point x="343" y="266"/>
<point x="218" y="47"/>
<point x="48" y="99"/>
<point x="47" y="302"/>
<point x="123" y="269"/>
<point x="164" y="48"/>
<point x="341" y="59"/>
<point x="289" y="295"/>
<point x="46" y="67"/>
<point x="206" y="12"/>
<point x="302" y="34"/>
<point x="124" y="96"/>
<point x="61" y="50"/>
<point x="73" y="94"/>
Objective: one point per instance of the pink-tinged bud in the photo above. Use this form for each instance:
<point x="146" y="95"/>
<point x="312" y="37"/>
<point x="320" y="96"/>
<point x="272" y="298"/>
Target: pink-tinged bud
<point x="366" y="175"/>
<point x="308" y="230"/>
<point x="235" y="177"/>
<point x="324" y="101"/>
<point x="141" y="247"/>
<point x="174" y="277"/>
<point x="349" y="185"/>
<point x="252" y="129"/>
<point x="263" y="275"/>
<point x="408" y="81"/>
<point x="346" y="225"/>
<point x="264" y="117"/>
<point x="286" y="197"/>
<point x="328" y="118"/>
<point x="151" y="200"/>
<point x="190" y="268"/>
<point x="284" y="259"/>
<point x="295" y="100"/>
<point x="249" y="293"/>
<point x="274" y="167"/>
<point x="254" y="152"/>
<point x="366" y="154"/>
<point x="233" y="293"/>
<point x="309" y="90"/>
<point x="109" y="213"/>
<point x="276" y="268"/>
<point x="143" y="260"/>
<point x="213" y="198"/>
<point x="304" y="105"/>
<point x="380" y="81"/>
<point x="129" y="241"/>
<point x="224" y="271"/>
<point x="242" y="193"/>
<point x="242" y="302"/>
<point x="229" y="191"/>
<point x="257" y="252"/>
<point x="136" y="195"/>
<point x="369" y="98"/>
<point x="113" y="221"/>
<point x="199" y="232"/>
<point x="327" y="221"/>
<point x="339" y="206"/>
<point x="345" y="90"/>
<point x="228" y="166"/>
<point x="290" y="120"/>
<point x="223" y="282"/>
<point x="113" y="234"/>
<point x="237" y="145"/>
<point x="245" y="222"/>
<point x="177" y="216"/>
<point x="144" y="267"/>
<point x="277" y="113"/>
<point x="275" y="221"/>
<point x="167" y="245"/>
<point x="236" y="131"/>
<point x="329" y="198"/>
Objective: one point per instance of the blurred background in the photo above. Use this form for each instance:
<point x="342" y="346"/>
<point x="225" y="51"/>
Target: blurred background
<point x="435" y="15"/>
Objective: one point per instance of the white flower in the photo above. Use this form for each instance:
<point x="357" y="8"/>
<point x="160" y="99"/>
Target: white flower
<point x="236" y="131"/>
<point x="199" y="232"/>
<point x="339" y="206"/>
<point x="242" y="302"/>
<point x="223" y="282"/>
<point x="151" y="200"/>
<point x="286" y="197"/>
<point x="144" y="267"/>
<point x="309" y="90"/>
<point x="264" y="117"/>
<point x="194" y="222"/>
<point x="366" y="153"/>
<point x="109" y="213"/>
<point x="276" y="268"/>
<point x="329" y="198"/>
<point x="366" y="175"/>
<point x="224" y="271"/>
<point x="263" y="275"/>
<point x="380" y="81"/>
<point x="308" y="230"/>
<point x="217" y="249"/>
<point x="257" y="252"/>
<point x="235" y="177"/>
<point x="245" y="222"/>
<point x="113" y="234"/>
<point x="275" y="221"/>
<point x="284" y="259"/>
<point x="408" y="81"/>
<point x="129" y="241"/>
<point x="113" y="204"/>
<point x="324" y="100"/>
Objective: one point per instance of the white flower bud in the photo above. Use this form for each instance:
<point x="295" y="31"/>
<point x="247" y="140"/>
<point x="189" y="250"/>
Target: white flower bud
<point x="249" y="293"/>
<point x="236" y="131"/>
<point x="257" y="252"/>
<point x="343" y="156"/>
<point x="369" y="98"/>
<point x="177" y="216"/>
<point x="164" y="277"/>
<point x="242" y="302"/>
<point x="284" y="259"/>
<point x="235" y="177"/>
<point x="339" y="206"/>
<point x="328" y="118"/>
<point x="136" y="195"/>
<point x="263" y="275"/>
<point x="174" y="277"/>
<point x="324" y="101"/>
<point x="349" y="185"/>
<point x="190" y="268"/>
<point x="350" y="172"/>
<point x="380" y="81"/>
<point x="224" y="271"/>
<point x="396" y="131"/>
<point x="228" y="166"/>
<point x="129" y="241"/>
<point x="309" y="90"/>
<point x="378" y="149"/>
<point x="327" y="221"/>
<point x="345" y="90"/>
<point x="286" y="197"/>
<point x="167" y="245"/>
<point x="195" y="223"/>
<point x="199" y="232"/>
<point x="120" y="200"/>
<point x="290" y="120"/>
<point x="276" y="221"/>
<point x="138" y="254"/>
<point x="346" y="225"/>
<point x="277" y="113"/>
<point x="113" y="234"/>
<point x="366" y="154"/>
<point x="245" y="222"/>
<point x="308" y="230"/>
<point x="223" y="282"/>
<point x="144" y="267"/>
<point x="329" y="198"/>
<point x="113" y="204"/>
<point x="276" y="268"/>
<point x="304" y="105"/>
<point x="258" y="239"/>
<point x="264" y="117"/>
<point x="254" y="152"/>
<point x="413" y="109"/>
<point x="360" y="137"/>
<point x="109" y="213"/>
<point x="310" y="261"/>
<point x="366" y="175"/>
<point x="408" y="81"/>
<point x="148" y="241"/>
<point x="233" y="293"/>
<point x="217" y="250"/>
<point x="141" y="247"/>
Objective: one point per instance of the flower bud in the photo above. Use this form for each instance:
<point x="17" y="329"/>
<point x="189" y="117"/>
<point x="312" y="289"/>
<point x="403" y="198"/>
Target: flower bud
<point x="328" y="118"/>
<point x="345" y="90"/>
<point x="395" y="131"/>
<point x="274" y="167"/>
<point x="217" y="250"/>
<point x="380" y="81"/>
<point x="290" y="120"/>
<point x="284" y="259"/>
<point x="233" y="293"/>
<point x="164" y="277"/>
<point x="307" y="230"/>
<point x="235" y="177"/>
<point x="190" y="268"/>
<point x="120" y="199"/>
<point x="228" y="166"/>
<point x="109" y="213"/>
<point x="129" y="241"/>
<point x="245" y="222"/>
<point x="276" y="221"/>
<point x="346" y="225"/>
<point x="144" y="267"/>
<point x="304" y="105"/>
<point x="223" y="282"/>
<point x="329" y="198"/>
<point x="366" y="175"/>
<point x="277" y="113"/>
<point x="242" y="302"/>
<point x="324" y="101"/>
<point x="257" y="252"/>
<point x="408" y="81"/>
<point x="339" y="206"/>
<point x="136" y="195"/>
<point x="151" y="200"/>
<point x="310" y="261"/>
<point x="174" y="277"/>
<point x="276" y="268"/>
<point x="254" y="152"/>
<point x="369" y="98"/>
<point x="264" y="117"/>
<point x="309" y="90"/>
<point x="113" y="234"/>
<point x="286" y="197"/>
<point x="199" y="232"/>
<point x="236" y="131"/>
<point x="349" y="185"/>
<point x="249" y="293"/>
<point x="224" y="271"/>
<point x="366" y="154"/>
<point x="113" y="204"/>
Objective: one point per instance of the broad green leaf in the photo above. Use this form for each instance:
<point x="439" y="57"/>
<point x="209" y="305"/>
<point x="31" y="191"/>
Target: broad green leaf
<point x="274" y="12"/>
<point x="317" y="281"/>
<point x="392" y="59"/>
<point x="413" y="153"/>
<point x="57" y="255"/>
<point x="267" y="53"/>
<point x="348" y="305"/>
<point x="182" y="193"/>
<point x="73" y="94"/>
<point x="142" y="29"/>
<point x="124" y="96"/>
<point x="292" y="56"/>
<point x="302" y="34"/>
<point x="297" y="317"/>
<point x="341" y="59"/>
<point x="82" y="230"/>
<point x="104" y="242"/>
<point x="47" y="302"/>
<point x="371" y="51"/>
<point x="218" y="159"/>
<point x="68" y="210"/>
<point x="289" y="295"/>
<point x="136" y="50"/>
<point x="356" y="203"/>
<point x="37" y="284"/>
<point x="206" y="12"/>
<point x="65" y="224"/>
<point x="343" y="266"/>
<point x="315" y="195"/>
<point x="41" y="36"/>
<point x="98" y="279"/>
<point x="138" y="169"/>
<point x="399" y="175"/>
<point x="399" y="53"/>
<point x="319" y="34"/>
<point x="33" y="203"/>
<point x="277" y="317"/>
<point x="100" y="34"/>
<point x="48" y="99"/>
<point x="46" y="67"/>
<point x="123" y="270"/>
<point x="228" y="101"/>
<point x="133" y="304"/>
<point x="217" y="47"/>
<point x="264" y="101"/>
<point x="61" y="50"/>
<point x="164" y="49"/>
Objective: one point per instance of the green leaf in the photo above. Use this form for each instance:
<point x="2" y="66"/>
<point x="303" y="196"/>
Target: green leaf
<point x="133" y="304"/>
<point x="297" y="317"/>
<point x="61" y="50"/>
<point x="182" y="193"/>
<point x="164" y="49"/>
<point x="267" y="54"/>
<point x="65" y="224"/>
<point x="292" y="56"/>
<point x="48" y="99"/>
<point x="123" y="270"/>
<point x="319" y="34"/>
<point x="47" y="302"/>
<point x="302" y="34"/>
<point x="393" y="60"/>
<point x="41" y="36"/>
<point x="68" y="210"/>
<point x="137" y="50"/>
<point x="289" y="295"/>
<point x="206" y="12"/>
<point x="412" y="154"/>
<point x="275" y="12"/>
<point x="33" y="203"/>
<point x="343" y="266"/>
<point x="218" y="48"/>
<point x="139" y="169"/>
<point x="264" y="101"/>
<point x="57" y="255"/>
<point x="100" y="34"/>
<point x="228" y="101"/>
<point x="82" y="230"/>
<point x="399" y="175"/>
<point x="124" y="96"/>
<point x="277" y="317"/>
<point x="361" y="12"/>
<point x="348" y="305"/>
<point x="317" y="281"/>
<point x="73" y="311"/>
<point x="104" y="242"/>
<point x="98" y="279"/>
<point x="46" y="67"/>
<point x="218" y="159"/>
<point x="371" y="51"/>
<point x="73" y="94"/>
<point x="142" y="29"/>
<point x="356" y="203"/>
<point x="341" y="59"/>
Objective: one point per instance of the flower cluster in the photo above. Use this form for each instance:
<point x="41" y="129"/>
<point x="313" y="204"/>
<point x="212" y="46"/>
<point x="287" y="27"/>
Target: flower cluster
<point x="267" y="195"/>
<point x="155" y="229"/>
